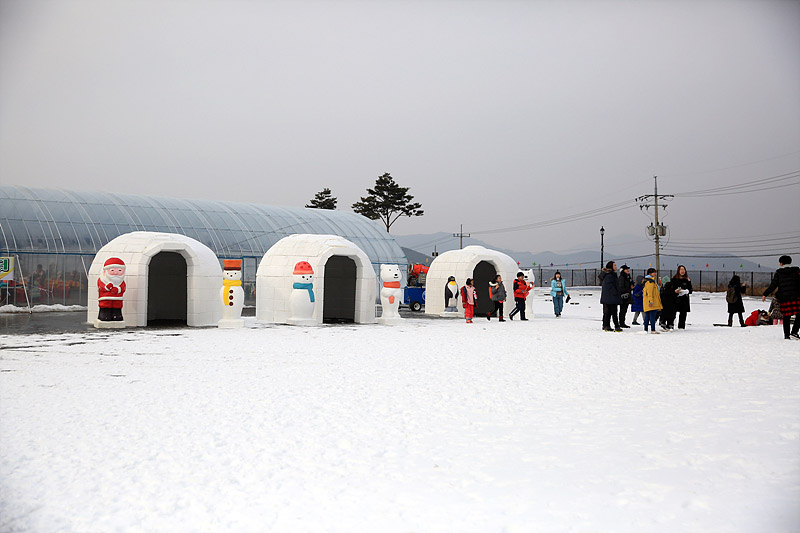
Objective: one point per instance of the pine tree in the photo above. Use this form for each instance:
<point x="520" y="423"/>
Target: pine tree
<point x="387" y="202"/>
<point x="323" y="200"/>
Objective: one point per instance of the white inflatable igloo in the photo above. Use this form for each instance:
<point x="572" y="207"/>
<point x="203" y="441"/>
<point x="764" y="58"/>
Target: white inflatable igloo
<point x="168" y="277"/>
<point x="476" y="262"/>
<point x="344" y="281"/>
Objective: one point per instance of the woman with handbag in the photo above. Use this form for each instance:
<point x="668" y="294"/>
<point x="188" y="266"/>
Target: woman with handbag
<point x="734" y="299"/>
<point x="558" y="290"/>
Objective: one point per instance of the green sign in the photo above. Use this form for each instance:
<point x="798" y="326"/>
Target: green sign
<point x="6" y="269"/>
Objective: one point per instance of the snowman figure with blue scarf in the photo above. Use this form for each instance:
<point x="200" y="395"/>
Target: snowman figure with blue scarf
<point x="301" y="300"/>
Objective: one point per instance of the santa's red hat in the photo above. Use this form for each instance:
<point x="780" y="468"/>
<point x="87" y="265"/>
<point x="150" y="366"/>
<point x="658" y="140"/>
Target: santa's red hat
<point x="113" y="262"/>
<point x="303" y="267"/>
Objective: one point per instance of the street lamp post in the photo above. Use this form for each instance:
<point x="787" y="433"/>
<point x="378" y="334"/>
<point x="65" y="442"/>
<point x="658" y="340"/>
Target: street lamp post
<point x="602" y="233"/>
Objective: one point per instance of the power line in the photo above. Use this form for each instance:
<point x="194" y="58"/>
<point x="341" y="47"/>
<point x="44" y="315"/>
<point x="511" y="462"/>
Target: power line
<point x="795" y="242"/>
<point x="734" y="166"/>
<point x="620" y="206"/>
<point x="683" y="255"/>
<point x="750" y="186"/>
<point x="758" y="238"/>
<point x="760" y="189"/>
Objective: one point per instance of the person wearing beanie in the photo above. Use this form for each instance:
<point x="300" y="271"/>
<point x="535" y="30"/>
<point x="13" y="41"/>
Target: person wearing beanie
<point x="558" y="289"/>
<point x="651" y="300"/>
<point x="521" y="290"/>
<point x="625" y="293"/>
<point x="787" y="281"/>
<point x="609" y="296"/>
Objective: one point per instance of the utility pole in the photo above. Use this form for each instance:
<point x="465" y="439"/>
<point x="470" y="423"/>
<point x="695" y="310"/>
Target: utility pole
<point x="658" y="227"/>
<point x="658" y="230"/>
<point x="461" y="236"/>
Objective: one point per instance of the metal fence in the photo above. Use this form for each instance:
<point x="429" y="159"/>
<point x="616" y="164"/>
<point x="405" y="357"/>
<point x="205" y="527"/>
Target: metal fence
<point x="702" y="280"/>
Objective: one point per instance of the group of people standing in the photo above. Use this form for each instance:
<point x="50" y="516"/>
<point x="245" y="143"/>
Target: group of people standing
<point x="498" y="295"/>
<point x="659" y="302"/>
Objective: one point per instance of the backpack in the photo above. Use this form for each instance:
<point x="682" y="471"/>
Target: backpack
<point x="730" y="297"/>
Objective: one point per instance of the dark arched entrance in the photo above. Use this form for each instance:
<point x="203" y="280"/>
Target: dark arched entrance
<point x="339" y="300"/>
<point x="166" y="289"/>
<point x="483" y="273"/>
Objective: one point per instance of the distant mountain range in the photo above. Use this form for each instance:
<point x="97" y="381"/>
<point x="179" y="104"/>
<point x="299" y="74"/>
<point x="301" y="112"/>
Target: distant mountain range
<point x="418" y="249"/>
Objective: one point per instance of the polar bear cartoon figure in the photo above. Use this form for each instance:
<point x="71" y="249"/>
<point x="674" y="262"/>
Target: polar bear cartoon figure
<point x="530" y="277"/>
<point x="232" y="295"/>
<point x="391" y="294"/>
<point x="301" y="300"/>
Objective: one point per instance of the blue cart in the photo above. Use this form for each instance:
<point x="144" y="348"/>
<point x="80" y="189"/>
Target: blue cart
<point x="414" y="298"/>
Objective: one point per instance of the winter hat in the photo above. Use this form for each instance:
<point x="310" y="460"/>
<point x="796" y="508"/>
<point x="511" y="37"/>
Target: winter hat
<point x="665" y="279"/>
<point x="303" y="267"/>
<point x="785" y="259"/>
<point x="113" y="262"/>
<point x="624" y="267"/>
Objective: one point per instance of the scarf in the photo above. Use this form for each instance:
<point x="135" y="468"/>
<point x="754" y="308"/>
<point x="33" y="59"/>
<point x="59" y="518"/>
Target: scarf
<point x="229" y="283"/>
<point x="391" y="284"/>
<point x="307" y="286"/>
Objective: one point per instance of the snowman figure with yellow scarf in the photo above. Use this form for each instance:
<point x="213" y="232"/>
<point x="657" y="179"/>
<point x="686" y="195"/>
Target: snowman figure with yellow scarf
<point x="232" y="295"/>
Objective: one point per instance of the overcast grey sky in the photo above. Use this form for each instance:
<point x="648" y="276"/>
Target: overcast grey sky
<point x="496" y="114"/>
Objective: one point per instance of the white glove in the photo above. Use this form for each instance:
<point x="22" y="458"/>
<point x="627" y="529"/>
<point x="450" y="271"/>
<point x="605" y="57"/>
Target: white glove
<point x="683" y="292"/>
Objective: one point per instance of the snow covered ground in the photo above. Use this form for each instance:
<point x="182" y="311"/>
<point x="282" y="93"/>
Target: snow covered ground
<point x="41" y="308"/>
<point x="433" y="425"/>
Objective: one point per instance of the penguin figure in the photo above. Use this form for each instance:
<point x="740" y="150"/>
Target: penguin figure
<point x="451" y="295"/>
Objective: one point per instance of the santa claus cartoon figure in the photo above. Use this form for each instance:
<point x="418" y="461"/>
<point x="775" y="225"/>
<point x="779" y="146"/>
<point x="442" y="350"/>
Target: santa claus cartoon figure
<point x="110" y="290"/>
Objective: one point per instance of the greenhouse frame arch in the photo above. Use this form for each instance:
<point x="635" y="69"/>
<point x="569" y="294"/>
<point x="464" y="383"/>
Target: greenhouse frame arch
<point x="52" y="235"/>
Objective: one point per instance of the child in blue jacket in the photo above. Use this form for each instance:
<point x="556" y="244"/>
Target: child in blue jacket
<point x="558" y="290"/>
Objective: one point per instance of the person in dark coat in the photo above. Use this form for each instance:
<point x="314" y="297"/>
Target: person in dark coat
<point x="636" y="300"/>
<point x="625" y="293"/>
<point x="787" y="281"/>
<point x="736" y="306"/>
<point x="669" y="301"/>
<point x="609" y="296"/>
<point x="683" y="288"/>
